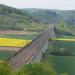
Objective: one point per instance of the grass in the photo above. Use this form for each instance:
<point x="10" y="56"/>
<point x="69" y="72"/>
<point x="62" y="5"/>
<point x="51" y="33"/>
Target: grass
<point x="62" y="45"/>
<point x="65" y="45"/>
<point x="61" y="63"/>
<point x="63" y="39"/>
<point x="6" y="54"/>
<point x="26" y="37"/>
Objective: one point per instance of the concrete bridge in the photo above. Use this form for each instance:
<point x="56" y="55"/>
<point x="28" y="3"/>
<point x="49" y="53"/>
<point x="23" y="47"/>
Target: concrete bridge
<point x="32" y="52"/>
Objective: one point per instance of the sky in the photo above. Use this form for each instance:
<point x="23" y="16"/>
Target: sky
<point x="46" y="4"/>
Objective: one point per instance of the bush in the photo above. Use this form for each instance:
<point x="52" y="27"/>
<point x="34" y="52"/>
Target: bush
<point x="4" y="68"/>
<point x="37" y="69"/>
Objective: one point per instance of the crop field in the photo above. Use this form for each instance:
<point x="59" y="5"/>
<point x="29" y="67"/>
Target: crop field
<point x="10" y="44"/>
<point x="61" y="63"/>
<point x="24" y="37"/>
<point x="6" y="54"/>
<point x="64" y="39"/>
<point x="66" y="36"/>
<point x="13" y="42"/>
<point x="65" y="45"/>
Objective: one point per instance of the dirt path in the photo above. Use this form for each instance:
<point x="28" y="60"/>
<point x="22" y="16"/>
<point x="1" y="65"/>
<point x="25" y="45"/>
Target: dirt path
<point x="17" y="32"/>
<point x="16" y="49"/>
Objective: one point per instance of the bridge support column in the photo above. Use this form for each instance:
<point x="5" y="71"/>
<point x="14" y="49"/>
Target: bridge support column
<point x="38" y="56"/>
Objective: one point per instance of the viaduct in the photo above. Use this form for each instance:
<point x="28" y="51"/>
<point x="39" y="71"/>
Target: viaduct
<point x="33" y="51"/>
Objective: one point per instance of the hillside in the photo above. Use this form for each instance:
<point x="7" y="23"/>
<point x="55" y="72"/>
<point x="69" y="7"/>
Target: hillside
<point x="64" y="20"/>
<point x="44" y="15"/>
<point x="68" y="15"/>
<point x="36" y="19"/>
<point x="52" y="16"/>
<point x="15" y="19"/>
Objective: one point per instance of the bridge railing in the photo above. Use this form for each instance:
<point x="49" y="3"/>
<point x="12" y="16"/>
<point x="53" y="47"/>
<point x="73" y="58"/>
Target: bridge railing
<point x="25" y="47"/>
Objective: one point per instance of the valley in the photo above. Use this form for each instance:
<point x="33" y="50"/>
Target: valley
<point x="18" y="27"/>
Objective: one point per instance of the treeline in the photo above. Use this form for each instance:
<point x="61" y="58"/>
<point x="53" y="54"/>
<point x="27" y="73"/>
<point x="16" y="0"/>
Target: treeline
<point x="29" y="69"/>
<point x="62" y="29"/>
<point x="59" y="48"/>
<point x="9" y="10"/>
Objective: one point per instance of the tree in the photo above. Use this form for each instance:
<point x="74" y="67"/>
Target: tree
<point x="64" y="74"/>
<point x="4" y="68"/>
<point x="37" y="69"/>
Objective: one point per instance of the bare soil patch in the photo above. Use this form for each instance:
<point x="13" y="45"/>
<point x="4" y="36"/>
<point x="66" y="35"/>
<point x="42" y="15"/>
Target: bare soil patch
<point x="16" y="32"/>
<point x="16" y="49"/>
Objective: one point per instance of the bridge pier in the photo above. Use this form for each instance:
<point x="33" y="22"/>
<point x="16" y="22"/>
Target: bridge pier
<point x="38" y="56"/>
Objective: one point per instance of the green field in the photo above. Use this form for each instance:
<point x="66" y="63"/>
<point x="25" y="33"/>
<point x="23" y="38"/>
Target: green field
<point x="62" y="63"/>
<point x="66" y="36"/>
<point x="65" y="45"/>
<point x="26" y="37"/>
<point x="6" y="54"/>
<point x="68" y="46"/>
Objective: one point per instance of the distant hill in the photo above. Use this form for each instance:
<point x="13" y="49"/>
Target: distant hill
<point x="68" y="15"/>
<point x="64" y="20"/>
<point x="52" y="16"/>
<point x="44" y="15"/>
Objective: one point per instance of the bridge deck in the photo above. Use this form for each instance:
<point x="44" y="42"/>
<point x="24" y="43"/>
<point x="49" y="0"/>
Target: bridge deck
<point x="26" y="53"/>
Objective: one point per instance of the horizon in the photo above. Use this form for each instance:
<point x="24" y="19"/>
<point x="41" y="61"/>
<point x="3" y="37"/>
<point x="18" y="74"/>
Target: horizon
<point x="46" y="4"/>
<point x="39" y="8"/>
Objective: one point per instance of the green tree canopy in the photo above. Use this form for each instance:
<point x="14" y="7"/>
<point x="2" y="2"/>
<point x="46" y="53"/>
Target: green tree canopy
<point x="37" y="69"/>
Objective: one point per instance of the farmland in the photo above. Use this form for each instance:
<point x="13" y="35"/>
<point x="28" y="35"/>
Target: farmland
<point x="13" y="42"/>
<point x="25" y="37"/>
<point x="61" y="55"/>
<point x="19" y="26"/>
<point x="61" y="63"/>
<point x="6" y="54"/>
<point x="63" y="39"/>
<point x="10" y="44"/>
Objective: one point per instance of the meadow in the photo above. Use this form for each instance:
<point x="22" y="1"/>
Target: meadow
<point x="62" y="45"/>
<point x="25" y="37"/>
<point x="61" y="63"/>
<point x="6" y="54"/>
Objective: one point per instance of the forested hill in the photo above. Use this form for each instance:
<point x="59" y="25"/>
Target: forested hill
<point x="6" y="10"/>
<point x="47" y="15"/>
<point x="68" y="15"/>
<point x="15" y="19"/>
<point x="64" y="20"/>
<point x="44" y="15"/>
<point x="35" y="19"/>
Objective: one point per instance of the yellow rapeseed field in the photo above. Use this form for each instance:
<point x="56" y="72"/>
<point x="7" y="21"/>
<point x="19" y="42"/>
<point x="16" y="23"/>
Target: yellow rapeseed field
<point x="13" y="42"/>
<point x="63" y="39"/>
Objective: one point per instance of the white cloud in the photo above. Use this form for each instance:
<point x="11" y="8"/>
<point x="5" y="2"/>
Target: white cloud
<point x="49" y="4"/>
